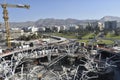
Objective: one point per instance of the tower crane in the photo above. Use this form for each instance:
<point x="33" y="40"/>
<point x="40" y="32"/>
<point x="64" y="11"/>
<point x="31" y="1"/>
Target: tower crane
<point x="5" y="17"/>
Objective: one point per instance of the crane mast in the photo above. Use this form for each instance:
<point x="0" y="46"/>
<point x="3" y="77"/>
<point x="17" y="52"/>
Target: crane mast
<point x="5" y="17"/>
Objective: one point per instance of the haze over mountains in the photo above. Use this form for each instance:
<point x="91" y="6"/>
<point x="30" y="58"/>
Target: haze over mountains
<point x="52" y="21"/>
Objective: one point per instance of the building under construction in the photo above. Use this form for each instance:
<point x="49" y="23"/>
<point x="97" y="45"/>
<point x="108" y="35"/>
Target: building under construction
<point x="68" y="61"/>
<point x="60" y="59"/>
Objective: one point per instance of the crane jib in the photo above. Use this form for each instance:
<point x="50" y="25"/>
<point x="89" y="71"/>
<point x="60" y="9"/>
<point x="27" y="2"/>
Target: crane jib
<point x="17" y="5"/>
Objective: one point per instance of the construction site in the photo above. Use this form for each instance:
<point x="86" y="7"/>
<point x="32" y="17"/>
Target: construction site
<point x="68" y="61"/>
<point x="58" y="59"/>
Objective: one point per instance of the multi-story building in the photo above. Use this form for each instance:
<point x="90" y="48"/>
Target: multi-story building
<point x="118" y="24"/>
<point x="73" y="27"/>
<point x="94" y="24"/>
<point x="32" y="29"/>
<point x="56" y="28"/>
<point x="110" y="25"/>
<point x="83" y="25"/>
<point x="100" y="26"/>
<point x="14" y="33"/>
<point x="62" y="28"/>
<point x="42" y="29"/>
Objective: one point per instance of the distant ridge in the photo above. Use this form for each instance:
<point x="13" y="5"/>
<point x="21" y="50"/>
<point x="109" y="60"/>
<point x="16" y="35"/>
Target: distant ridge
<point x="49" y="22"/>
<point x="110" y="18"/>
<point x="52" y="22"/>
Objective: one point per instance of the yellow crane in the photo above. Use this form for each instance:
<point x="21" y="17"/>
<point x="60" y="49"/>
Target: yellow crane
<point x="5" y="17"/>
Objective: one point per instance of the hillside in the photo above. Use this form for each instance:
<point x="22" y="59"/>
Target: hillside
<point x="110" y="18"/>
<point x="52" y="22"/>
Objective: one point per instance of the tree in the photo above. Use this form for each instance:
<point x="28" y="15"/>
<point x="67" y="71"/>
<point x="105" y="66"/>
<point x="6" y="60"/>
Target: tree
<point x="23" y="37"/>
<point x="79" y="37"/>
<point x="116" y="32"/>
<point x="105" y="32"/>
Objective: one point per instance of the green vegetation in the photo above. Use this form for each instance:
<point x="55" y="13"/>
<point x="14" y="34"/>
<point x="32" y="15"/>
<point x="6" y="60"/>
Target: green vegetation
<point x="69" y="36"/>
<point x="105" y="42"/>
<point x="112" y="36"/>
<point x="30" y="37"/>
<point x="89" y="36"/>
<point x="84" y="38"/>
<point x="98" y="42"/>
<point x="109" y="35"/>
<point x="73" y="35"/>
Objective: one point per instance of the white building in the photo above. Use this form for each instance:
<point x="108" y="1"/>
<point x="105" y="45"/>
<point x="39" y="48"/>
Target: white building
<point x="32" y="29"/>
<point x="56" y="28"/>
<point x="62" y="28"/>
<point x="14" y="33"/>
<point x="73" y="27"/>
<point x="101" y="26"/>
<point x="42" y="29"/>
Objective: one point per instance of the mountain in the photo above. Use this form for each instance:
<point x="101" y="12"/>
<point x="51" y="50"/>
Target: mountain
<point x="49" y="22"/>
<point x="110" y="18"/>
<point x="19" y="24"/>
<point x="59" y="22"/>
<point x="52" y="22"/>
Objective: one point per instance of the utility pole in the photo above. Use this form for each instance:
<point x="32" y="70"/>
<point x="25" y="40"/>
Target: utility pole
<point x="5" y="17"/>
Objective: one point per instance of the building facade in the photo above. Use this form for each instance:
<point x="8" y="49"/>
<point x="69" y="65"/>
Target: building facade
<point x="110" y="25"/>
<point x="100" y="26"/>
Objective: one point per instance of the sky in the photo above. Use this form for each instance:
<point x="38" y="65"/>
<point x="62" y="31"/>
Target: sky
<point x="62" y="9"/>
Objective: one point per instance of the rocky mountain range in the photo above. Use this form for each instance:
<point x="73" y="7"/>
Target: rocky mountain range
<point x="110" y="18"/>
<point x="52" y="22"/>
